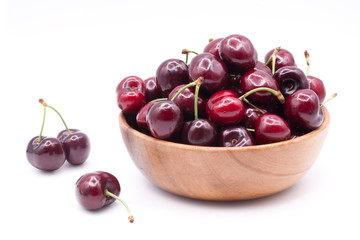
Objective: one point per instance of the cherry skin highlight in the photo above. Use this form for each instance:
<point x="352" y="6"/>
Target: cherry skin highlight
<point x="76" y="146"/>
<point x="47" y="155"/>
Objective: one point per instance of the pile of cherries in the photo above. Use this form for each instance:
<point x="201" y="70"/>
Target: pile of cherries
<point x="225" y="97"/>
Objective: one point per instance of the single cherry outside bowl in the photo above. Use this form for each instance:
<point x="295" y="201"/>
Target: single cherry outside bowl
<point x="223" y="173"/>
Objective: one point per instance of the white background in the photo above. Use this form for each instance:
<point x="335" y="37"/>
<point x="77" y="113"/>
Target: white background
<point x="74" y="53"/>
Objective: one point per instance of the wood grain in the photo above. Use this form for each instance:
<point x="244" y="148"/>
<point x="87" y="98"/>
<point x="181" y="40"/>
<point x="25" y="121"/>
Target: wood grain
<point x="223" y="173"/>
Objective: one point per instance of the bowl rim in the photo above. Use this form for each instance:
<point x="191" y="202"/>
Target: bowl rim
<point x="124" y="124"/>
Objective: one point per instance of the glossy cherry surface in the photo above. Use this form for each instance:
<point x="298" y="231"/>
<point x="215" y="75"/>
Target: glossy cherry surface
<point x="317" y="85"/>
<point x="261" y="66"/>
<point x="270" y="128"/>
<point x="212" y="69"/>
<point x="201" y="132"/>
<point x="164" y="119"/>
<point x="213" y="47"/>
<point x="171" y="73"/>
<point x="47" y="155"/>
<point x="76" y="146"/>
<point x="251" y="115"/>
<point x="141" y="115"/>
<point x="185" y="101"/>
<point x="216" y="96"/>
<point x="303" y="111"/>
<point x="238" y="53"/>
<point x="151" y="89"/>
<point x="235" y="136"/>
<point x="131" y="94"/>
<point x="255" y="79"/>
<point x="283" y="58"/>
<point x="90" y="189"/>
<point x="226" y="111"/>
<point x="291" y="79"/>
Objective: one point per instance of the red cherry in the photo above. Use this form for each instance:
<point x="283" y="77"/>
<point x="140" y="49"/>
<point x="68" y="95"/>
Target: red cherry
<point x="318" y="87"/>
<point x="283" y="58"/>
<point x="213" y="47"/>
<point x="200" y="132"/>
<point x="130" y="94"/>
<point x="151" y="89"/>
<point x="270" y="128"/>
<point x="141" y="115"/>
<point x="235" y="136"/>
<point x="216" y="96"/>
<point x="76" y="145"/>
<point x="227" y="111"/>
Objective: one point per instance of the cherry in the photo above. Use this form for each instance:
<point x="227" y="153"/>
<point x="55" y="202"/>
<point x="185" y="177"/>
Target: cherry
<point x="151" y="89"/>
<point x="251" y="115"/>
<point x="98" y="189"/>
<point x="316" y="84"/>
<point x="45" y="153"/>
<point x="303" y="111"/>
<point x="270" y="128"/>
<point x="255" y="79"/>
<point x="238" y="53"/>
<point x="283" y="58"/>
<point x="235" y="136"/>
<point x="291" y="79"/>
<point x="130" y="94"/>
<point x="201" y="132"/>
<point x="76" y="145"/>
<point x="164" y="119"/>
<point x="213" y="47"/>
<point x="226" y="110"/>
<point x="216" y="96"/>
<point x="212" y="69"/>
<point x="141" y="115"/>
<point x="185" y="101"/>
<point x="171" y="73"/>
<point x="261" y="66"/>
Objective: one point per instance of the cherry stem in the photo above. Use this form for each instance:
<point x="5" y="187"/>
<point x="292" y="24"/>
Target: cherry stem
<point x="271" y="58"/>
<point x="46" y="105"/>
<point x="327" y="100"/>
<point x="198" y="82"/>
<point x="250" y="129"/>
<point x="192" y="84"/>
<point x="42" y="126"/>
<point x="186" y="51"/>
<point x="248" y="102"/>
<point x="307" y="57"/>
<point x="110" y="194"/>
<point x="159" y="100"/>
<point x="278" y="94"/>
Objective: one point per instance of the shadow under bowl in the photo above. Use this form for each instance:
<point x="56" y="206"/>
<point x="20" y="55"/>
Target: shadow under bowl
<point x="223" y="173"/>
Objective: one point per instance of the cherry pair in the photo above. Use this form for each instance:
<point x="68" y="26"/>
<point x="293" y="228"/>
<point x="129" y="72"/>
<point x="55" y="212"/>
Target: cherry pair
<point x="49" y="153"/>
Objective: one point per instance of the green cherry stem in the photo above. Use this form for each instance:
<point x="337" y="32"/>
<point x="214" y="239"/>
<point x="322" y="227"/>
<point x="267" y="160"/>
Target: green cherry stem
<point x="186" y="52"/>
<point x="271" y="58"/>
<point x="46" y="105"/>
<point x="248" y="102"/>
<point x="192" y="84"/>
<point x="198" y="83"/>
<point x="278" y="94"/>
<point x="159" y="100"/>
<point x="327" y="100"/>
<point x="42" y="126"/>
<point x="307" y="57"/>
<point x="110" y="194"/>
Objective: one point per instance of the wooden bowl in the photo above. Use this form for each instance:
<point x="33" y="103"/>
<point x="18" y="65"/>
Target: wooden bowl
<point x="223" y="173"/>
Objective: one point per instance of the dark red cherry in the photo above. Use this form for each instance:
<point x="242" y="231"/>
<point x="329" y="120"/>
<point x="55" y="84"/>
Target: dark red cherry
<point x="141" y="115"/>
<point x="47" y="155"/>
<point x="130" y="94"/>
<point x="200" y="132"/>
<point x="261" y="66"/>
<point x="185" y="100"/>
<point x="238" y="53"/>
<point x="213" y="47"/>
<point x="255" y="79"/>
<point x="303" y="111"/>
<point x="226" y="111"/>
<point x="270" y="128"/>
<point x="164" y="119"/>
<point x="76" y="145"/>
<point x="151" y="89"/>
<point x="318" y="87"/>
<point x="218" y="95"/>
<point x="171" y="73"/>
<point x="291" y="79"/>
<point x="235" y="136"/>
<point x="98" y="189"/>
<point x="251" y="115"/>
<point x="212" y="69"/>
<point x="283" y="58"/>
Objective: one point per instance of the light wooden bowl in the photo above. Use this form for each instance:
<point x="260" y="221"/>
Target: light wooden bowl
<point x="223" y="173"/>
